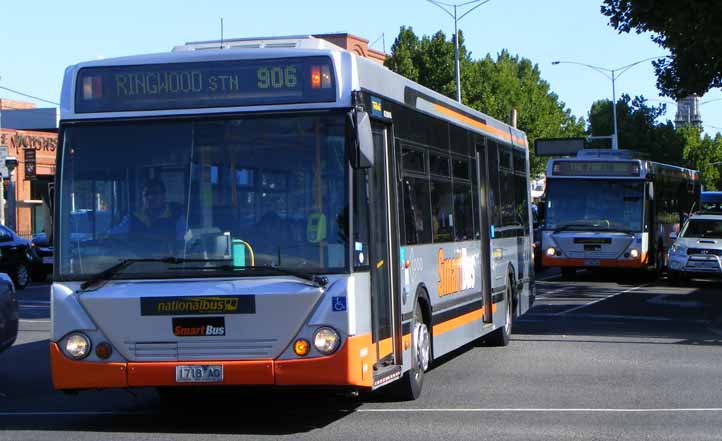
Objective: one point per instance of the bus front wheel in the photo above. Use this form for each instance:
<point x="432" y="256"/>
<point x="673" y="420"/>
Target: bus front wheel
<point x="409" y="387"/>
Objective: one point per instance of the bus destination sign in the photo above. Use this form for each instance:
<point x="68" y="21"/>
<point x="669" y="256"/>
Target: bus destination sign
<point x="623" y="169"/>
<point x="204" y="85"/>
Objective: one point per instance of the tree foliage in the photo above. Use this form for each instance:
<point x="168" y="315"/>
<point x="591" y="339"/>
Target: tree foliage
<point x="639" y="130"/>
<point x="690" y="29"/>
<point x="491" y="85"/>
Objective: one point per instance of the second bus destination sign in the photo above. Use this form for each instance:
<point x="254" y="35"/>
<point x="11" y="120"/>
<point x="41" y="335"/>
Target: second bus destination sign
<point x="204" y="85"/>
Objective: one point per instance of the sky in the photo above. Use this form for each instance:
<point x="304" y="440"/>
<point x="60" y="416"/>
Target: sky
<point x="39" y="38"/>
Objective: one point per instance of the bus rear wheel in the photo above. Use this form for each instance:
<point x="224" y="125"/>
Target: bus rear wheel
<point x="410" y="385"/>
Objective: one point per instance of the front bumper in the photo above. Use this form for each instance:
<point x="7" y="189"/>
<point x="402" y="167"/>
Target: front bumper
<point x="638" y="263"/>
<point x="346" y="367"/>
<point x="709" y="265"/>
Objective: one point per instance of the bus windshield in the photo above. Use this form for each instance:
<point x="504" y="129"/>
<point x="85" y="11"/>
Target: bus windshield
<point x="595" y="205"/>
<point x="263" y="191"/>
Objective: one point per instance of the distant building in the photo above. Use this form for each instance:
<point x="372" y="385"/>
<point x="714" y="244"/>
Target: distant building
<point x="30" y="135"/>
<point x="688" y="112"/>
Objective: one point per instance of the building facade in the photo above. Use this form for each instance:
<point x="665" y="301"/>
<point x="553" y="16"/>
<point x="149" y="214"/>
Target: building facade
<point x="28" y="187"/>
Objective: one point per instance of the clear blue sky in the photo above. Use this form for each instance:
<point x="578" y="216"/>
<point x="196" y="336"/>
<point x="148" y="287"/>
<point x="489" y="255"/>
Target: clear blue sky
<point x="38" y="39"/>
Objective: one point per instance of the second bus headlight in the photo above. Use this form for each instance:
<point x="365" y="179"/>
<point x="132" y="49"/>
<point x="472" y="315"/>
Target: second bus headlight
<point x="77" y="345"/>
<point x="326" y="340"/>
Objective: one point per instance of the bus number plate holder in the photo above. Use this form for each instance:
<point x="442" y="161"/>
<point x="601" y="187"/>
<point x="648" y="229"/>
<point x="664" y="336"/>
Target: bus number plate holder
<point x="591" y="262"/>
<point x="199" y="373"/>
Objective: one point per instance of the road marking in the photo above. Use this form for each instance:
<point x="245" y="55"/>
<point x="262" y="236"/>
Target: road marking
<point x="395" y="410"/>
<point x="33" y="302"/>
<point x="576" y="308"/>
<point x="616" y="317"/>
<point x="551" y="410"/>
<point x="660" y="300"/>
<point x="547" y="278"/>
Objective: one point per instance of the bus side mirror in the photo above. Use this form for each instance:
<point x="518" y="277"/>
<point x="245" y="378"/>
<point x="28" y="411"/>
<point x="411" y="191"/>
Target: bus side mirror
<point x="362" y="150"/>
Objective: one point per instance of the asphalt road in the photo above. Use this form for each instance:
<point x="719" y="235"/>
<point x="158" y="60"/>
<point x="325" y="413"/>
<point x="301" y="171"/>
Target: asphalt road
<point x="604" y="357"/>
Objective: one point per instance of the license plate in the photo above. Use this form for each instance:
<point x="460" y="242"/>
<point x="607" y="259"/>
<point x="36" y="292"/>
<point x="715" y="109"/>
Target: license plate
<point x="48" y="260"/>
<point x="199" y="373"/>
<point x="591" y="262"/>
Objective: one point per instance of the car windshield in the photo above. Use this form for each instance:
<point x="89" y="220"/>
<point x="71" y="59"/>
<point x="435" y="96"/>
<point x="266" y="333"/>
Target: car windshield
<point x="594" y="205"/>
<point x="703" y="228"/>
<point x="253" y="191"/>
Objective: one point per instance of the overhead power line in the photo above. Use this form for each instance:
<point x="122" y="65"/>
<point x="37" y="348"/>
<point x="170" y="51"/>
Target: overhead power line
<point x="29" y="96"/>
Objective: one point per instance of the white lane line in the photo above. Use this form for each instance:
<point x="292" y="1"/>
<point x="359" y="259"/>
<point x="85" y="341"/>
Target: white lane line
<point x="576" y="308"/>
<point x="650" y="318"/>
<point x="33" y="302"/>
<point x="398" y="410"/>
<point x="551" y="410"/>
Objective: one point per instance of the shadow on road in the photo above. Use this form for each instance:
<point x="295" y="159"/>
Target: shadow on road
<point x="687" y="314"/>
<point x="28" y="402"/>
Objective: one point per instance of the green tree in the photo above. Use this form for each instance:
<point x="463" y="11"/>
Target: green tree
<point x="701" y="152"/>
<point x="691" y="30"/>
<point x="492" y="86"/>
<point x="637" y="129"/>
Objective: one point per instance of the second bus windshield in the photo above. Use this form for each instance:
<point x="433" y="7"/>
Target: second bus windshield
<point x="577" y="204"/>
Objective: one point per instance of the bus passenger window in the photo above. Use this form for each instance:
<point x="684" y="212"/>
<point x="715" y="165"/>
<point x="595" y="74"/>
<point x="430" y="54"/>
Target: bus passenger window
<point x="417" y="212"/>
<point x="442" y="211"/>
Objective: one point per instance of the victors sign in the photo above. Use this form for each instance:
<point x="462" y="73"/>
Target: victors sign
<point x="18" y="141"/>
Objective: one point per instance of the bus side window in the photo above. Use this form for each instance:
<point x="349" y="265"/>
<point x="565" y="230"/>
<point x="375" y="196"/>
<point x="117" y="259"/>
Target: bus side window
<point x="417" y="212"/>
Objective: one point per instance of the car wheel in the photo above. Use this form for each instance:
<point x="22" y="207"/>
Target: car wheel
<point x="21" y="276"/>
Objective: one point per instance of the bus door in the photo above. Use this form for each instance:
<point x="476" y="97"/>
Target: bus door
<point x="484" y="203"/>
<point x="384" y="260"/>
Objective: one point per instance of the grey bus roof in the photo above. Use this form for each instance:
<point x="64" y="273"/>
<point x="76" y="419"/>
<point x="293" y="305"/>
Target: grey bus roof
<point x="353" y="73"/>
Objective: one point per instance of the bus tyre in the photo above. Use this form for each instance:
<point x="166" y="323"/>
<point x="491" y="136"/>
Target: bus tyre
<point x="502" y="336"/>
<point x="568" y="273"/>
<point x="409" y="387"/>
<point x="21" y="276"/>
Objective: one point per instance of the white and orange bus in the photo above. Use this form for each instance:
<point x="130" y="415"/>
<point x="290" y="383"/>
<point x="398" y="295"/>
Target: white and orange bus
<point x="281" y="216"/>
<point x="610" y="209"/>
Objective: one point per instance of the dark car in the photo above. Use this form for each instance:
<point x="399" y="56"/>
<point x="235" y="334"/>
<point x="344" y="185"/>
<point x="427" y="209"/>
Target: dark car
<point x="43" y="250"/>
<point x="8" y="313"/>
<point x="17" y="257"/>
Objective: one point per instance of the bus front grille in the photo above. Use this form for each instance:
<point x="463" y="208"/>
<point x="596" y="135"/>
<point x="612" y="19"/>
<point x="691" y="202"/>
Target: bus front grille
<point x="201" y="350"/>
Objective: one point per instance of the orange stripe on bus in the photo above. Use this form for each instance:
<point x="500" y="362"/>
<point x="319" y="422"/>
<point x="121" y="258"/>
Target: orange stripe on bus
<point x="460" y="321"/>
<point x="344" y="368"/>
<point x="72" y="374"/>
<point x="479" y="125"/>
<point x="162" y="373"/>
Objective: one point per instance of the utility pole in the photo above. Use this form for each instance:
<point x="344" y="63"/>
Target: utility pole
<point x="448" y="8"/>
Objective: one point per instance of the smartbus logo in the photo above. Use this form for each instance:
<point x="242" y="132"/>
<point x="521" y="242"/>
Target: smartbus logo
<point x="455" y="273"/>
<point x="199" y="327"/>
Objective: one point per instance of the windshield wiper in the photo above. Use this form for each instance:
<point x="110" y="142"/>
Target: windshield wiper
<point x="111" y="271"/>
<point x="316" y="280"/>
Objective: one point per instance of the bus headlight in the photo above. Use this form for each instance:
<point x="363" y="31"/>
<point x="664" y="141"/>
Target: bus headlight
<point x="77" y="345"/>
<point x="634" y="253"/>
<point x="551" y="251"/>
<point x="326" y="340"/>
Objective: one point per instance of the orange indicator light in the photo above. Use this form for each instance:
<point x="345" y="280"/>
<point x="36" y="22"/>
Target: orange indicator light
<point x="301" y="347"/>
<point x="315" y="77"/>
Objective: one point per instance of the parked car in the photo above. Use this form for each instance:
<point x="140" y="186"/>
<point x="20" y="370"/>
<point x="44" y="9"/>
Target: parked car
<point x="8" y="312"/>
<point x="17" y="257"/>
<point x="43" y="250"/>
<point x="697" y="251"/>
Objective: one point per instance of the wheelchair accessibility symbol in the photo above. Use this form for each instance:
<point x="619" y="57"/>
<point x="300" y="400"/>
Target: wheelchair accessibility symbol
<point x="339" y="303"/>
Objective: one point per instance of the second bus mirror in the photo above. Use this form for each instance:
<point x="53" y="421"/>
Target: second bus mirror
<point x="362" y="153"/>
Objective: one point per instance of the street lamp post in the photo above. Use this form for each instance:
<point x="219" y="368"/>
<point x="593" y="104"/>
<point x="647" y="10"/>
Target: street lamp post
<point x="454" y="15"/>
<point x="611" y="74"/>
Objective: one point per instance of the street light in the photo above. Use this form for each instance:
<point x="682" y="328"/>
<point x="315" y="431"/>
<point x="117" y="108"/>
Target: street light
<point x="456" y="18"/>
<point x="611" y="74"/>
